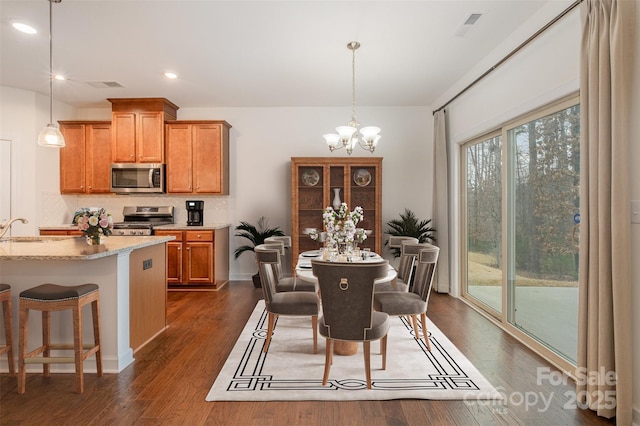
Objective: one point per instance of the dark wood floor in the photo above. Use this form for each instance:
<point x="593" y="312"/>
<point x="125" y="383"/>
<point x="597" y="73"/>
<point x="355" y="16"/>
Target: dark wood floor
<point x="171" y="376"/>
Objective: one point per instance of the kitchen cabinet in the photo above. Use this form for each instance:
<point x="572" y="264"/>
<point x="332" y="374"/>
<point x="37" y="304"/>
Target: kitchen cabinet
<point x="85" y="159"/>
<point x="138" y="129"/>
<point x="197" y="259"/>
<point x="61" y="232"/>
<point x="314" y="184"/>
<point x="197" y="155"/>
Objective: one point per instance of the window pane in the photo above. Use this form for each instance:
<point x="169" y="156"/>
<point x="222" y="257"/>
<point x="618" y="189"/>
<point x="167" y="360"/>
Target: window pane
<point x="484" y="222"/>
<point x="543" y="184"/>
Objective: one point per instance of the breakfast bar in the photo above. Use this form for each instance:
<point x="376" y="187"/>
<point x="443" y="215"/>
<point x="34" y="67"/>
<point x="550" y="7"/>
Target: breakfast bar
<point x="130" y="272"/>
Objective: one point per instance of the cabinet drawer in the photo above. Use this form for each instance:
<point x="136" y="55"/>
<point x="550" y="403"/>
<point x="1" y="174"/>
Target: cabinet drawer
<point x="199" y="235"/>
<point x="177" y="234"/>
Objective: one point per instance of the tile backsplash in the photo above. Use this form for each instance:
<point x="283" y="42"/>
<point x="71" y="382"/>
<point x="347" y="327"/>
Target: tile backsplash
<point x="58" y="209"/>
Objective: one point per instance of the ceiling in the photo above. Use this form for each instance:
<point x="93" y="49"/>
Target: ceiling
<point x="262" y="53"/>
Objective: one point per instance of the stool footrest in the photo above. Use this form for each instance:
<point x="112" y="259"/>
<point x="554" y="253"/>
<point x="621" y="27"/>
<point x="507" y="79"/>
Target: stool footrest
<point x="50" y="360"/>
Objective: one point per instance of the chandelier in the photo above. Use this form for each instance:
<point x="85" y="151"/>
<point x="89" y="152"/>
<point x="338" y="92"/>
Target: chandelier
<point x="347" y="136"/>
<point x="50" y="136"/>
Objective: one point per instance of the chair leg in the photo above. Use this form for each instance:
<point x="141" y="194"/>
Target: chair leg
<point x="22" y="349"/>
<point x="271" y="321"/>
<point x="8" y="335"/>
<point x="46" y="341"/>
<point x="366" y="345"/>
<point x="95" y="311"/>
<point x="327" y="361"/>
<point x="314" y="324"/>
<point x="383" y="349"/>
<point x="77" y="347"/>
<point x="423" y="318"/>
<point x="414" y="321"/>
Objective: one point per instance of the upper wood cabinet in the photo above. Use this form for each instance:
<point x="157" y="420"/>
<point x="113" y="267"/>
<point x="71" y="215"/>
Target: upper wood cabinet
<point x="314" y="183"/>
<point x="138" y="129"/>
<point x="197" y="155"/>
<point x="86" y="158"/>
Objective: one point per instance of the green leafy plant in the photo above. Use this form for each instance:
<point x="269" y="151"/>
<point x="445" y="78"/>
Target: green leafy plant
<point x="410" y="226"/>
<point x="255" y="234"/>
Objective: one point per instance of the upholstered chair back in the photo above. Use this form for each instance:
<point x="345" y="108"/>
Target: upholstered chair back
<point x="425" y="271"/>
<point x="346" y="290"/>
<point x="268" y="259"/>
<point x="285" y="259"/>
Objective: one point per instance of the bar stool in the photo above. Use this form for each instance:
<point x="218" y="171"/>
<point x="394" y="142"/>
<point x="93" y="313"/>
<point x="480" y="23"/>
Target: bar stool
<point x="52" y="297"/>
<point x="7" y="348"/>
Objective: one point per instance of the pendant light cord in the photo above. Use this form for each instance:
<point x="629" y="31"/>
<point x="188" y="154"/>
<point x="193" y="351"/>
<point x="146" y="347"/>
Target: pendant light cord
<point x="50" y="63"/>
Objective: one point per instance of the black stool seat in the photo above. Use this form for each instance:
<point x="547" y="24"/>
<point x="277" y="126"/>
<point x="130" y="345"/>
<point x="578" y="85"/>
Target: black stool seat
<point x="51" y="292"/>
<point x="4" y="287"/>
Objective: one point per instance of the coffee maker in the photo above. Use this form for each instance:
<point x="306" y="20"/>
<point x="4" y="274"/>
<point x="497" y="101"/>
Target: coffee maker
<point x="195" y="213"/>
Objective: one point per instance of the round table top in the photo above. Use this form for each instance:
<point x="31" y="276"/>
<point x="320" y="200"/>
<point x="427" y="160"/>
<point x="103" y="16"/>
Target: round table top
<point x="305" y="273"/>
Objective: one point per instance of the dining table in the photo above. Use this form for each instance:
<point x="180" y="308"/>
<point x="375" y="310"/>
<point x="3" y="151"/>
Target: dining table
<point x="304" y="272"/>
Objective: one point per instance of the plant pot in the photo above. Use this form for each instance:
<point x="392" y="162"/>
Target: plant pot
<point x="256" y="280"/>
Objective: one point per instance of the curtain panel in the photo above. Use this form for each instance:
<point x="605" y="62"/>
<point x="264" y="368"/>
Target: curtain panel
<point x="440" y="202"/>
<point x="604" y="315"/>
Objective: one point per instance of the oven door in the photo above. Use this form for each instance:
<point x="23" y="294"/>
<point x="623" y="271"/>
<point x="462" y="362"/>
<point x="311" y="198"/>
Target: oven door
<point x="137" y="177"/>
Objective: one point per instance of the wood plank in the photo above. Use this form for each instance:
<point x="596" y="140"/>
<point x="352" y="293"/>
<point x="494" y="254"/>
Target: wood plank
<point x="172" y="374"/>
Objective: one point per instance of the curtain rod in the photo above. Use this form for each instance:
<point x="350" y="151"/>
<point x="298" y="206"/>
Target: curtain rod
<point x="513" y="52"/>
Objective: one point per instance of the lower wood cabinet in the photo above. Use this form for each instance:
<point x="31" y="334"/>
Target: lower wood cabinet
<point x="197" y="258"/>
<point x="74" y="232"/>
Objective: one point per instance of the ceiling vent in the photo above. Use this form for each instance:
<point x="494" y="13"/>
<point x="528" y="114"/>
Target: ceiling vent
<point x="467" y="24"/>
<point x="104" y="84"/>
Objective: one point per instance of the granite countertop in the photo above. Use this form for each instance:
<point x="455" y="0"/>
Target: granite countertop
<point x="171" y="226"/>
<point x="71" y="248"/>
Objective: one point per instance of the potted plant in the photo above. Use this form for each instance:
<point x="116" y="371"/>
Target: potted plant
<point x="256" y="235"/>
<point x="409" y="226"/>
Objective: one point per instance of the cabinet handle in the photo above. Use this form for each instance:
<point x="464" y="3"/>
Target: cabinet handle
<point x="198" y="235"/>
<point x="179" y="248"/>
<point x="131" y="155"/>
<point x="90" y="187"/>
<point x="188" y="248"/>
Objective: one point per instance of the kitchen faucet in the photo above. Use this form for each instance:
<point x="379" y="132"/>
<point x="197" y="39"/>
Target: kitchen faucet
<point x="5" y="226"/>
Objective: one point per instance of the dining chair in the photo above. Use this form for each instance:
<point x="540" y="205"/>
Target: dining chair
<point x="347" y="308"/>
<point x="294" y="303"/>
<point x="408" y="253"/>
<point x="286" y="282"/>
<point x="415" y="301"/>
<point x="285" y="259"/>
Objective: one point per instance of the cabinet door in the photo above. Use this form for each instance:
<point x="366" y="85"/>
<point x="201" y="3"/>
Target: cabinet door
<point x="174" y="262"/>
<point x="150" y="137"/>
<point x="179" y="158"/>
<point x="199" y="262"/>
<point x="207" y="161"/>
<point x="123" y="137"/>
<point x="72" y="159"/>
<point x="98" y="158"/>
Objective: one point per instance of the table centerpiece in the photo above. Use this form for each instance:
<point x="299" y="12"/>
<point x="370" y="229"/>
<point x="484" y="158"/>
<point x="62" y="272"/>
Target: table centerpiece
<point x="340" y="227"/>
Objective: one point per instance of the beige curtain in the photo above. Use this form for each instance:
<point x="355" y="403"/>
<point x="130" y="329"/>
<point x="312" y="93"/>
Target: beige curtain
<point x="604" y="327"/>
<point x="440" y="201"/>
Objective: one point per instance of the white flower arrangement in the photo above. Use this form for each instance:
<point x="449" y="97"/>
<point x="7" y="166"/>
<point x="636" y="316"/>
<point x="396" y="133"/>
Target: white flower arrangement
<point x="340" y="225"/>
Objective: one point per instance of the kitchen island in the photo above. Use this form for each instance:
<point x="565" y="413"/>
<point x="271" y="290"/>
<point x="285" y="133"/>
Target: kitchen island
<point x="131" y="274"/>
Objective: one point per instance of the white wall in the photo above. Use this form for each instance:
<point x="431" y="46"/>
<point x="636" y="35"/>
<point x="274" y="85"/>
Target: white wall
<point x="262" y="142"/>
<point x="544" y="71"/>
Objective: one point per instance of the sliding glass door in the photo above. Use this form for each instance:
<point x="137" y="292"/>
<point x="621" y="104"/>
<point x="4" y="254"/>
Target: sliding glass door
<point x="521" y="221"/>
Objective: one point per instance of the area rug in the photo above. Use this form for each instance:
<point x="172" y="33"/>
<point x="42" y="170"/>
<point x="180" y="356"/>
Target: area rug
<point x="290" y="371"/>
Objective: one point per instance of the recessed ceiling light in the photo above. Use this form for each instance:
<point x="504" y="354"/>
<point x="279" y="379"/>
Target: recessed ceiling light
<point x="27" y="29"/>
<point x="59" y="77"/>
<point x="171" y="75"/>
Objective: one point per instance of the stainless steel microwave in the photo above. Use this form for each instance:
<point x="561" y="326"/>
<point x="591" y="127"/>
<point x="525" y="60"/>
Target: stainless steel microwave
<point x="129" y="178"/>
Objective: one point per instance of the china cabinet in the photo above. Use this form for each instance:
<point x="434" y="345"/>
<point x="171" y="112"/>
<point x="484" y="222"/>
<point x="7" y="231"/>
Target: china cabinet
<point x="319" y="182"/>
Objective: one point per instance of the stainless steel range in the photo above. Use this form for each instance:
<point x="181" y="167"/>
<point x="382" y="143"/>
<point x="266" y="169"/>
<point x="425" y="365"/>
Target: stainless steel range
<point x="139" y="220"/>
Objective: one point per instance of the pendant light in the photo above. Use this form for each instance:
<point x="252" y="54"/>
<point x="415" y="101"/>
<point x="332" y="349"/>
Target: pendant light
<point x="50" y="136"/>
<point x="347" y="136"/>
